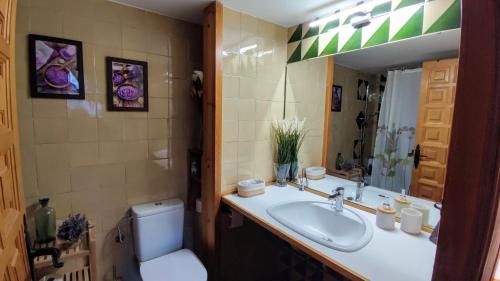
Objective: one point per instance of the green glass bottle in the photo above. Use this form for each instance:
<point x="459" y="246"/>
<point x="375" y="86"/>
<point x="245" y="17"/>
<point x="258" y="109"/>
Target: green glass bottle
<point x="339" y="162"/>
<point x="45" y="222"/>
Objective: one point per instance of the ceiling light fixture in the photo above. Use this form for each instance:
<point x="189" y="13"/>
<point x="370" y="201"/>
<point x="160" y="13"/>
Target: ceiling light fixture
<point x="365" y="8"/>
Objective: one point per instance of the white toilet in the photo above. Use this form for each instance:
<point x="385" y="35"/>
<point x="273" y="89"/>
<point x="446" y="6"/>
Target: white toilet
<point x="158" y="231"/>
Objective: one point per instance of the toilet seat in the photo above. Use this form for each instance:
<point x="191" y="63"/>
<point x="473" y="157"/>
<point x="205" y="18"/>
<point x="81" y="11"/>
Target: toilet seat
<point x="181" y="265"/>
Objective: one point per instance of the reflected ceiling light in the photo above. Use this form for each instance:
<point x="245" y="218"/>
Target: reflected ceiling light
<point x="364" y="7"/>
<point x="247" y="48"/>
<point x="264" y="53"/>
<point x="360" y="19"/>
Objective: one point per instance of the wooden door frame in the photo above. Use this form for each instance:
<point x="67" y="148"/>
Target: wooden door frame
<point x="469" y="235"/>
<point x="328" y="107"/>
<point x="212" y="133"/>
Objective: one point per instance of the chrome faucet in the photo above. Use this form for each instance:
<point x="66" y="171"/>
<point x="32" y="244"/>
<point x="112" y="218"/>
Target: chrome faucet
<point x="338" y="196"/>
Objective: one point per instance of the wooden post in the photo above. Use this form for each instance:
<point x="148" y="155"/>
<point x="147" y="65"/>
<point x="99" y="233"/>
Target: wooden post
<point x="469" y="236"/>
<point x="212" y="113"/>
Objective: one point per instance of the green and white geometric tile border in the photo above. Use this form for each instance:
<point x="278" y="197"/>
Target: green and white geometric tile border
<point x="392" y="21"/>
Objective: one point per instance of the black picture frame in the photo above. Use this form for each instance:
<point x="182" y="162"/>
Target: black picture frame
<point x="110" y="84"/>
<point x="336" y="98"/>
<point x="43" y="89"/>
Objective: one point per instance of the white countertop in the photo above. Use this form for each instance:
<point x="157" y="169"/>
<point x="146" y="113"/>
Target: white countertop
<point x="371" y="195"/>
<point x="389" y="256"/>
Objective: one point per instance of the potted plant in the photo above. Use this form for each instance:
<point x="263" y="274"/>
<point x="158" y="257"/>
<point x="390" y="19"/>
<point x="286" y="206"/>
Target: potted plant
<point x="288" y="136"/>
<point x="297" y="135"/>
<point x="72" y="229"/>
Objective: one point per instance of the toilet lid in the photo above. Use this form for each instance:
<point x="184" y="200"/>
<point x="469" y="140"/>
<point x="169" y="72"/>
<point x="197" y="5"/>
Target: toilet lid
<point x="181" y="265"/>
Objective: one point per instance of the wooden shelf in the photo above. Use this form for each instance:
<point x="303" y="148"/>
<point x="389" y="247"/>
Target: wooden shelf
<point x="84" y="249"/>
<point x="80" y="274"/>
<point x="79" y="250"/>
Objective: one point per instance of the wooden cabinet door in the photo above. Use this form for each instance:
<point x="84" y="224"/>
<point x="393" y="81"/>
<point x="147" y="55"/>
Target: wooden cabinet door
<point x="437" y="96"/>
<point x="13" y="256"/>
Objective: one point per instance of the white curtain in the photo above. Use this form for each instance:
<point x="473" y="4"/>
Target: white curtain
<point x="392" y="164"/>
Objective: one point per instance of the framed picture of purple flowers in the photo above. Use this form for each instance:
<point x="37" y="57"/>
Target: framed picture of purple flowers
<point x="127" y="84"/>
<point x="56" y="68"/>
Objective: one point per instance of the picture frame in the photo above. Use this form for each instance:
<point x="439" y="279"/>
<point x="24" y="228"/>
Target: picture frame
<point x="55" y="67"/>
<point x="336" y="98"/>
<point x="127" y="84"/>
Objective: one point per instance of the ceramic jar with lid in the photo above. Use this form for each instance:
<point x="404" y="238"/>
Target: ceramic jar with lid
<point x="386" y="216"/>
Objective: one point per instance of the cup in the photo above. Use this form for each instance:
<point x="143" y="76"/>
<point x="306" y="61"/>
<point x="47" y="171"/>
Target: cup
<point x="411" y="220"/>
<point x="424" y="210"/>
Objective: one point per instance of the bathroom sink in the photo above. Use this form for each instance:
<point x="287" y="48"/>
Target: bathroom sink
<point x="346" y="231"/>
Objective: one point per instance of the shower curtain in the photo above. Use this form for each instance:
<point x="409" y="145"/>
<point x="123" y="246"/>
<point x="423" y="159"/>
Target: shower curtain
<point x="395" y="140"/>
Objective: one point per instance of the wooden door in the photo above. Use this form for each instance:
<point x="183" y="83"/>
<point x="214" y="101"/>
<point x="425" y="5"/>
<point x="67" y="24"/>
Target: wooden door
<point x="437" y="96"/>
<point x="13" y="256"/>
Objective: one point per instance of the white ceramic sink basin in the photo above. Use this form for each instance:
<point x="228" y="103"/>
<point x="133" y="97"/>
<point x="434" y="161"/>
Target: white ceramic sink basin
<point x="346" y="231"/>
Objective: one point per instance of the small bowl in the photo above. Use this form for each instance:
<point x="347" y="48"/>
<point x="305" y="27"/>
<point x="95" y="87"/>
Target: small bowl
<point x="51" y="83"/>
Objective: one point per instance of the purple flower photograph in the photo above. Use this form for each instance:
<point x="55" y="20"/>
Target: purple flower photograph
<point x="56" y="68"/>
<point x="127" y="85"/>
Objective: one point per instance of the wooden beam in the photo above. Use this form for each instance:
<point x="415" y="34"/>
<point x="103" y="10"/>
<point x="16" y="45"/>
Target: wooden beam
<point x="328" y="106"/>
<point x="468" y="239"/>
<point x="212" y="106"/>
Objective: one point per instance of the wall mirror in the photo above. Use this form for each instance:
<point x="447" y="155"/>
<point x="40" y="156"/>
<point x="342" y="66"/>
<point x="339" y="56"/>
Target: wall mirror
<point x="388" y="128"/>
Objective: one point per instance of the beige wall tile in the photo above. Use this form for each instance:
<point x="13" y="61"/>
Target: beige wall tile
<point x="135" y="129"/>
<point x="83" y="154"/>
<point x="82" y="108"/>
<point x="50" y="130"/>
<point x="49" y="108"/>
<point x="246" y="151"/>
<point x="61" y="204"/>
<point x="110" y="129"/>
<point x="134" y="39"/>
<point x="230" y="109"/>
<point x="29" y="173"/>
<point x="107" y="34"/>
<point x="229" y="152"/>
<point x="230" y="86"/>
<point x="84" y="177"/>
<point x="158" y="108"/>
<point x="158" y="149"/>
<point x="246" y="109"/>
<point x="111" y="175"/>
<point x="111" y="152"/>
<point x="158" y="129"/>
<point x="136" y="172"/>
<point x="46" y="21"/>
<point x="246" y="130"/>
<point x="246" y="170"/>
<point x="158" y="43"/>
<point x="74" y="24"/>
<point x="82" y="130"/>
<point x="229" y="131"/>
<point x="135" y="150"/>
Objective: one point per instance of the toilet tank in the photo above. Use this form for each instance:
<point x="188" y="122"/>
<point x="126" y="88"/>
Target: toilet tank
<point x="158" y="228"/>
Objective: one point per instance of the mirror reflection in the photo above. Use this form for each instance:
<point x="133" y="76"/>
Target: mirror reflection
<point x="389" y="125"/>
